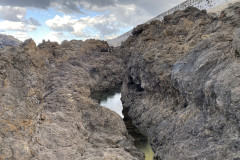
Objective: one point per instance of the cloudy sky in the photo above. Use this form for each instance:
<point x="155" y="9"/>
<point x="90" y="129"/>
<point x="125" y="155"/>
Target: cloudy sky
<point x="58" y="20"/>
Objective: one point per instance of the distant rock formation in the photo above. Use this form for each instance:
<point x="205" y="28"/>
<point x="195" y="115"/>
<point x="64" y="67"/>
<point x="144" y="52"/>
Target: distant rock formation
<point x="182" y="84"/>
<point x="8" y="40"/>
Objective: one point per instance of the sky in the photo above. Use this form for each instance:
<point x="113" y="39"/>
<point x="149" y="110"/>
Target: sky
<point x="58" y="20"/>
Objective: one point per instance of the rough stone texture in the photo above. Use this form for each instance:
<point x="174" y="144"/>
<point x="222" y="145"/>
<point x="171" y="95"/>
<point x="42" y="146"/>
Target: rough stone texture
<point x="182" y="85"/>
<point x="8" y="40"/>
<point x="45" y="107"/>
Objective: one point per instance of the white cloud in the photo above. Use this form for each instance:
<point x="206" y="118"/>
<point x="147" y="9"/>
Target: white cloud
<point x="8" y="25"/>
<point x="55" y="37"/>
<point x="87" y="27"/>
<point x="78" y="29"/>
<point x="64" y="23"/>
<point x="16" y="26"/>
<point x="130" y="14"/>
<point x="22" y="36"/>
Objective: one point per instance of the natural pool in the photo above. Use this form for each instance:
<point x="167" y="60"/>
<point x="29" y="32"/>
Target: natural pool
<point x="112" y="100"/>
<point x="114" y="103"/>
<point x="145" y="147"/>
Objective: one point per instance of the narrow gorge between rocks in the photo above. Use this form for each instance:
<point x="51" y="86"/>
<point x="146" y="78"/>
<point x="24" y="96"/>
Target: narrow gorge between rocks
<point x="180" y="86"/>
<point x="112" y="101"/>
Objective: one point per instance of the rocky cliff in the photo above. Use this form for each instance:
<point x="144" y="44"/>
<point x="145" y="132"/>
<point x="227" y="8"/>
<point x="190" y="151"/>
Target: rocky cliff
<point x="45" y="107"/>
<point x="8" y="40"/>
<point x="182" y="85"/>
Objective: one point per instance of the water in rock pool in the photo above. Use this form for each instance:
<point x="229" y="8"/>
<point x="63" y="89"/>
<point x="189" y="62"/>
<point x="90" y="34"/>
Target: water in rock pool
<point x="145" y="147"/>
<point x="113" y="102"/>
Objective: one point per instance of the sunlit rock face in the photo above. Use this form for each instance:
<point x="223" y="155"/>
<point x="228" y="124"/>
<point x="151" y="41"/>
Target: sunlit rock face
<point x="182" y="84"/>
<point x="45" y="107"/>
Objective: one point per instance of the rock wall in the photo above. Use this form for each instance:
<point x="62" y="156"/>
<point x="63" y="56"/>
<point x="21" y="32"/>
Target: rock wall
<point x="45" y="107"/>
<point x="200" y="4"/>
<point x="181" y="85"/>
<point x="181" y="88"/>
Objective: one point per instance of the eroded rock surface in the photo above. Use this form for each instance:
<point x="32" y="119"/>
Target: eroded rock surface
<point x="182" y="85"/>
<point x="45" y="107"/>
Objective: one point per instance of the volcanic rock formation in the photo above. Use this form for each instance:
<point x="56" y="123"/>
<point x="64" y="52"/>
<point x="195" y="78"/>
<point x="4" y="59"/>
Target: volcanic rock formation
<point x="181" y="87"/>
<point x="45" y="107"/>
<point x="182" y="84"/>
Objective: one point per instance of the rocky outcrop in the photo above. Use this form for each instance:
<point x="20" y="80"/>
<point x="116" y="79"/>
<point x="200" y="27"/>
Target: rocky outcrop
<point x="181" y="85"/>
<point x="45" y="107"/>
<point x="181" y="88"/>
<point x="8" y="40"/>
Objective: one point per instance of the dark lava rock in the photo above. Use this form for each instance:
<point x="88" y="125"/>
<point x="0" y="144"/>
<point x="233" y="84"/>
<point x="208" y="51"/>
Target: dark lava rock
<point x="182" y="84"/>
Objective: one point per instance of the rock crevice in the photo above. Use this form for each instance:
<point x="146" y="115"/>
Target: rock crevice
<point x="45" y="107"/>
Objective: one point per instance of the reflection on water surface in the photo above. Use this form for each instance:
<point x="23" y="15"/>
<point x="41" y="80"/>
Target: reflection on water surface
<point x="112" y="100"/>
<point x="114" y="103"/>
